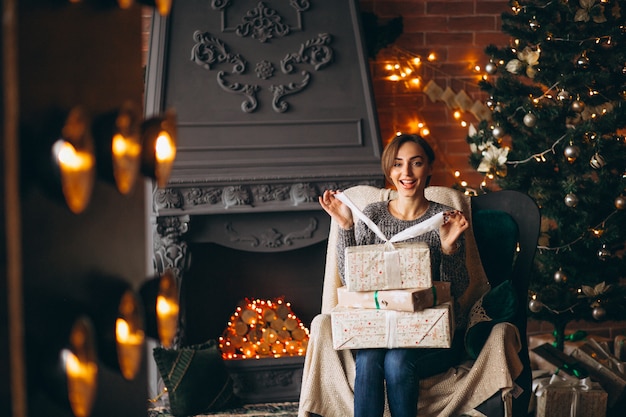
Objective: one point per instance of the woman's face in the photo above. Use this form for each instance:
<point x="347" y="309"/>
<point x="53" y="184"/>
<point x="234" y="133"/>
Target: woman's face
<point x="410" y="170"/>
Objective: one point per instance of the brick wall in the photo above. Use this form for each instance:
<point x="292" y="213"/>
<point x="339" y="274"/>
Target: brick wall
<point x="457" y="33"/>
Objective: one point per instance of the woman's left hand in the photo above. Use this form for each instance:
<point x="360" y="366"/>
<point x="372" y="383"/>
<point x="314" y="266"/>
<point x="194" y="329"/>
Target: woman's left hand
<point x="452" y="228"/>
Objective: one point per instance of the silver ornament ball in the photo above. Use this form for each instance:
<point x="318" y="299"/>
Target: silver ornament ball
<point x="491" y="68"/>
<point x="535" y="305"/>
<point x="571" y="200"/>
<point x="530" y="120"/>
<point x="571" y="152"/>
<point x="560" y="277"/>
<point x="604" y="253"/>
<point x="497" y="132"/>
<point x="620" y="202"/>
<point x="582" y="62"/>
<point x="599" y="313"/>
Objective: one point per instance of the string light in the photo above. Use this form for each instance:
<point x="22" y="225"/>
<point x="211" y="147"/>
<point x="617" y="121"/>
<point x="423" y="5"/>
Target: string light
<point x="263" y="328"/>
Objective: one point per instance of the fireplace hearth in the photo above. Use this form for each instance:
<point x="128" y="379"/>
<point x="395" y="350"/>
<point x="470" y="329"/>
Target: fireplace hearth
<point x="265" y="125"/>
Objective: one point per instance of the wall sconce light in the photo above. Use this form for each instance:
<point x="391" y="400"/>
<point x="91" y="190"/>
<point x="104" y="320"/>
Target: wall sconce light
<point x="159" y="147"/>
<point x="161" y="304"/>
<point x="118" y="145"/>
<point x="129" y="335"/>
<point x="73" y="160"/>
<point x="68" y="366"/>
<point x="118" y="318"/>
<point x="81" y="367"/>
<point x="161" y="6"/>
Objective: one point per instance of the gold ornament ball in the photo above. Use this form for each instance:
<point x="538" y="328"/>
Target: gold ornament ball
<point x="620" y="202"/>
<point x="578" y="106"/>
<point x="597" y="161"/>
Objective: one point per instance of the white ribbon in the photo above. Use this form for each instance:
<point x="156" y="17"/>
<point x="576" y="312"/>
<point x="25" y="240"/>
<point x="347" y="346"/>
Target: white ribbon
<point x="576" y="386"/>
<point x="391" y="255"/>
<point x="391" y="317"/>
<point x="413" y="231"/>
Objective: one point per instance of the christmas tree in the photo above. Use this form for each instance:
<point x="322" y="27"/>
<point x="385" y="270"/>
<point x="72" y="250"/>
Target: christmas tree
<point x="556" y="132"/>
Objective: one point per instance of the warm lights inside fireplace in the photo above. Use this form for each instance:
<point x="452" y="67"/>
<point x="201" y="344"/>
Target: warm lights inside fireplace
<point x="263" y="328"/>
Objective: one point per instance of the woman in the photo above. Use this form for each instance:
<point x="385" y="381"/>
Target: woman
<point x="407" y="163"/>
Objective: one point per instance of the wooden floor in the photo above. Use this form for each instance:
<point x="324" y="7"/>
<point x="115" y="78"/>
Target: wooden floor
<point x="286" y="409"/>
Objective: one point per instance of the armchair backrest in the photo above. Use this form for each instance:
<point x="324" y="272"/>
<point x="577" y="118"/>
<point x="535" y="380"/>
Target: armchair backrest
<point x="506" y="228"/>
<point x="493" y="254"/>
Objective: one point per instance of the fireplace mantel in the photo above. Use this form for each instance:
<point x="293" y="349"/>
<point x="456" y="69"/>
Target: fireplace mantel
<point x="274" y="105"/>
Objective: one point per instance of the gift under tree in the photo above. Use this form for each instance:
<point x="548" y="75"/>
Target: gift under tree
<point x="557" y="95"/>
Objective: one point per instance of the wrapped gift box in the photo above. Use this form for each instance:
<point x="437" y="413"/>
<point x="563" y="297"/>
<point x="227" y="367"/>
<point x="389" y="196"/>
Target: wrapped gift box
<point x="537" y="362"/>
<point x="619" y="347"/>
<point x="604" y="368"/>
<point x="363" y="328"/>
<point x="557" y="397"/>
<point x="413" y="299"/>
<point x="377" y="267"/>
<point x="560" y="361"/>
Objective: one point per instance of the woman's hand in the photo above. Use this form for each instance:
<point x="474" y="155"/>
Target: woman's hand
<point x="336" y="209"/>
<point x="453" y="226"/>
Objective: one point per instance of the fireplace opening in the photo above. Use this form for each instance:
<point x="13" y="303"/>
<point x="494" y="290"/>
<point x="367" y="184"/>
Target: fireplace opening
<point x="219" y="278"/>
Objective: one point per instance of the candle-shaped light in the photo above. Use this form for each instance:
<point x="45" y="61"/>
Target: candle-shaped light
<point x="129" y="335"/>
<point x="159" y="147"/>
<point x="76" y="169"/>
<point x="81" y="368"/>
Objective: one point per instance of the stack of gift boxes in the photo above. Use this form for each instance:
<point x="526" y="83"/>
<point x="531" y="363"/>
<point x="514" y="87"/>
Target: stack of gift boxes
<point x="586" y="378"/>
<point x="378" y="309"/>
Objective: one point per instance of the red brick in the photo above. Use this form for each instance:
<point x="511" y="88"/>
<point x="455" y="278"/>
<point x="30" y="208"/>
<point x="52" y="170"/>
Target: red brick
<point x="473" y="23"/>
<point x="496" y="7"/>
<point x="400" y="8"/>
<point x="457" y="38"/>
<point x="495" y="38"/>
<point x="426" y="24"/>
<point x="457" y="8"/>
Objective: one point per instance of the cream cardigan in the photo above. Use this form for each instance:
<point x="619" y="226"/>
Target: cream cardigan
<point x="328" y="377"/>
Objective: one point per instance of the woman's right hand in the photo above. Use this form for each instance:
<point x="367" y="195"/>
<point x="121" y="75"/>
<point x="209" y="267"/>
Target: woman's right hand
<point x="340" y="212"/>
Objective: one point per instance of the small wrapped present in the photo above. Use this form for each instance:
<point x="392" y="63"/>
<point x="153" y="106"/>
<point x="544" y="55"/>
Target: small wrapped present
<point x="604" y="368"/>
<point x="390" y="265"/>
<point x="562" y="397"/>
<point x="561" y="361"/>
<point x="380" y="267"/>
<point x="366" y="328"/>
<point x="414" y="299"/>
<point x="619" y="347"/>
<point x="573" y="340"/>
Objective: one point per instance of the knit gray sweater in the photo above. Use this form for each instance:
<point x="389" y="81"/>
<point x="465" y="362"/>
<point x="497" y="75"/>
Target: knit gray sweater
<point x="448" y="268"/>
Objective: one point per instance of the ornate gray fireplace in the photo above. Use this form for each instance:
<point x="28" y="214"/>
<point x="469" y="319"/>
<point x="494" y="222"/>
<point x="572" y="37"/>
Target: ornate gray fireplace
<point x="274" y="105"/>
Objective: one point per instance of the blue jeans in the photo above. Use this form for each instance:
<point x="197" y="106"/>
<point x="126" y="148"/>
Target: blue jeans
<point x="401" y="371"/>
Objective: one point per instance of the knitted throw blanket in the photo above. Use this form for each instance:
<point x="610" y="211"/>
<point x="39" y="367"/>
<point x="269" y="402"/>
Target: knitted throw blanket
<point x="328" y="378"/>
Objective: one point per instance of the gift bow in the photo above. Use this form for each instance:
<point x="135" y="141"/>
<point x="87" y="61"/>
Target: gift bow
<point x="575" y="385"/>
<point x="391" y="256"/>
